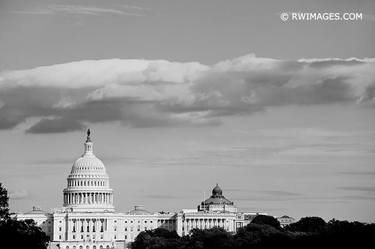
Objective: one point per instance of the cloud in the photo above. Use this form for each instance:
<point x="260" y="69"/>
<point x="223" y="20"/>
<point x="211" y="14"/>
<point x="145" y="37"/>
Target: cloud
<point x="55" y="125"/>
<point x="149" y="93"/>
<point x="70" y="9"/>
<point x="18" y="194"/>
<point x="360" y="188"/>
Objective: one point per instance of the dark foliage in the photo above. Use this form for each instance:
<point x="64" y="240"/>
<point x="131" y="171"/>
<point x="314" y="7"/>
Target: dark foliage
<point x="19" y="234"/>
<point x="157" y="239"/>
<point x="214" y="238"/>
<point x="308" y="225"/>
<point x="266" y="220"/>
<point x="4" y="206"/>
<point x="310" y="232"/>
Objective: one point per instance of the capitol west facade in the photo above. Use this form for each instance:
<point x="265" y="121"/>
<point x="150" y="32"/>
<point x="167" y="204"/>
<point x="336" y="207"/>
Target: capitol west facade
<point x="88" y="219"/>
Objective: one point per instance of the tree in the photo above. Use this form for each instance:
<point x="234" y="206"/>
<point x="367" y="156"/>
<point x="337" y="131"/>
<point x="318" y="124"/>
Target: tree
<point x="4" y="206"/>
<point x="213" y="238"/>
<point x="260" y="236"/>
<point x="19" y="233"/>
<point x="308" y="225"/>
<point x="266" y="220"/>
<point x="156" y="239"/>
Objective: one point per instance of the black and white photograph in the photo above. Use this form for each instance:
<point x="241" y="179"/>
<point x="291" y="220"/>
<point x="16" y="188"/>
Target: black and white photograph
<point x="187" y="124"/>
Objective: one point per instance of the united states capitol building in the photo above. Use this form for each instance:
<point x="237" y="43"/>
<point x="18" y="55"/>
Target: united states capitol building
<point x="89" y="220"/>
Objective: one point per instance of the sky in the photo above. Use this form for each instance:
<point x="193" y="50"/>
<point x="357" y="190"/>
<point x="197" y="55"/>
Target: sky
<point x="181" y="95"/>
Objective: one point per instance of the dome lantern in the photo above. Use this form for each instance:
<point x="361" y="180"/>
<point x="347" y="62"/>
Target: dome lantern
<point x="88" y="144"/>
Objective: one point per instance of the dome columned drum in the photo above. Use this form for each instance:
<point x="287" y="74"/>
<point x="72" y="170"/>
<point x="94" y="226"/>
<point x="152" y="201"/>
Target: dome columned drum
<point x="88" y="184"/>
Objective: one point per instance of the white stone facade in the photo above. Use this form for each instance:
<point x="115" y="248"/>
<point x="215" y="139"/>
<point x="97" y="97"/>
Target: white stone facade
<point x="88" y="219"/>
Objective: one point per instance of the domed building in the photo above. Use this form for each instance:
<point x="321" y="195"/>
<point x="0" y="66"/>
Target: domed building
<point x="88" y="220"/>
<point x="88" y="184"/>
<point x="217" y="202"/>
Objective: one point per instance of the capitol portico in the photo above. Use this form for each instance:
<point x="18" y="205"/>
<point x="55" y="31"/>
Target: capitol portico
<point x="88" y="219"/>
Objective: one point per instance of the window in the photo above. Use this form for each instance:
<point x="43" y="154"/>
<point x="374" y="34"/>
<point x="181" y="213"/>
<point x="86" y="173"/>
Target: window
<point x="60" y="237"/>
<point x="81" y="236"/>
<point x="126" y="229"/>
<point x="139" y="228"/>
<point x="74" y="237"/>
<point x="126" y="236"/>
<point x="60" y="229"/>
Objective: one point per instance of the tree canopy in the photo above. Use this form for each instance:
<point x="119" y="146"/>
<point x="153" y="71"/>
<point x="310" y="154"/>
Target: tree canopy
<point x="266" y="220"/>
<point x="19" y="233"/>
<point x="310" y="232"/>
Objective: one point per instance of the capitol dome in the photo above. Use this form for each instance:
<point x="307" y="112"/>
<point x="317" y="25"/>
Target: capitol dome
<point x="88" y="183"/>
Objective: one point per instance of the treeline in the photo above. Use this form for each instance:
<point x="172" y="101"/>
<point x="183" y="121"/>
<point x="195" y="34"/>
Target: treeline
<point x="18" y="234"/>
<point x="265" y="232"/>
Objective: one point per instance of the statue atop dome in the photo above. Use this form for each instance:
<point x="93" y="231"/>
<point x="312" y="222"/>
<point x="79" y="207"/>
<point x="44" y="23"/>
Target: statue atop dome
<point x="88" y="135"/>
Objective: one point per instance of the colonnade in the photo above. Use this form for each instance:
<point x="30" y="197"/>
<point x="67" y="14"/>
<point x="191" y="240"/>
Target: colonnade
<point x="82" y="183"/>
<point x="87" y="225"/>
<point x="203" y="223"/>
<point x="88" y="198"/>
